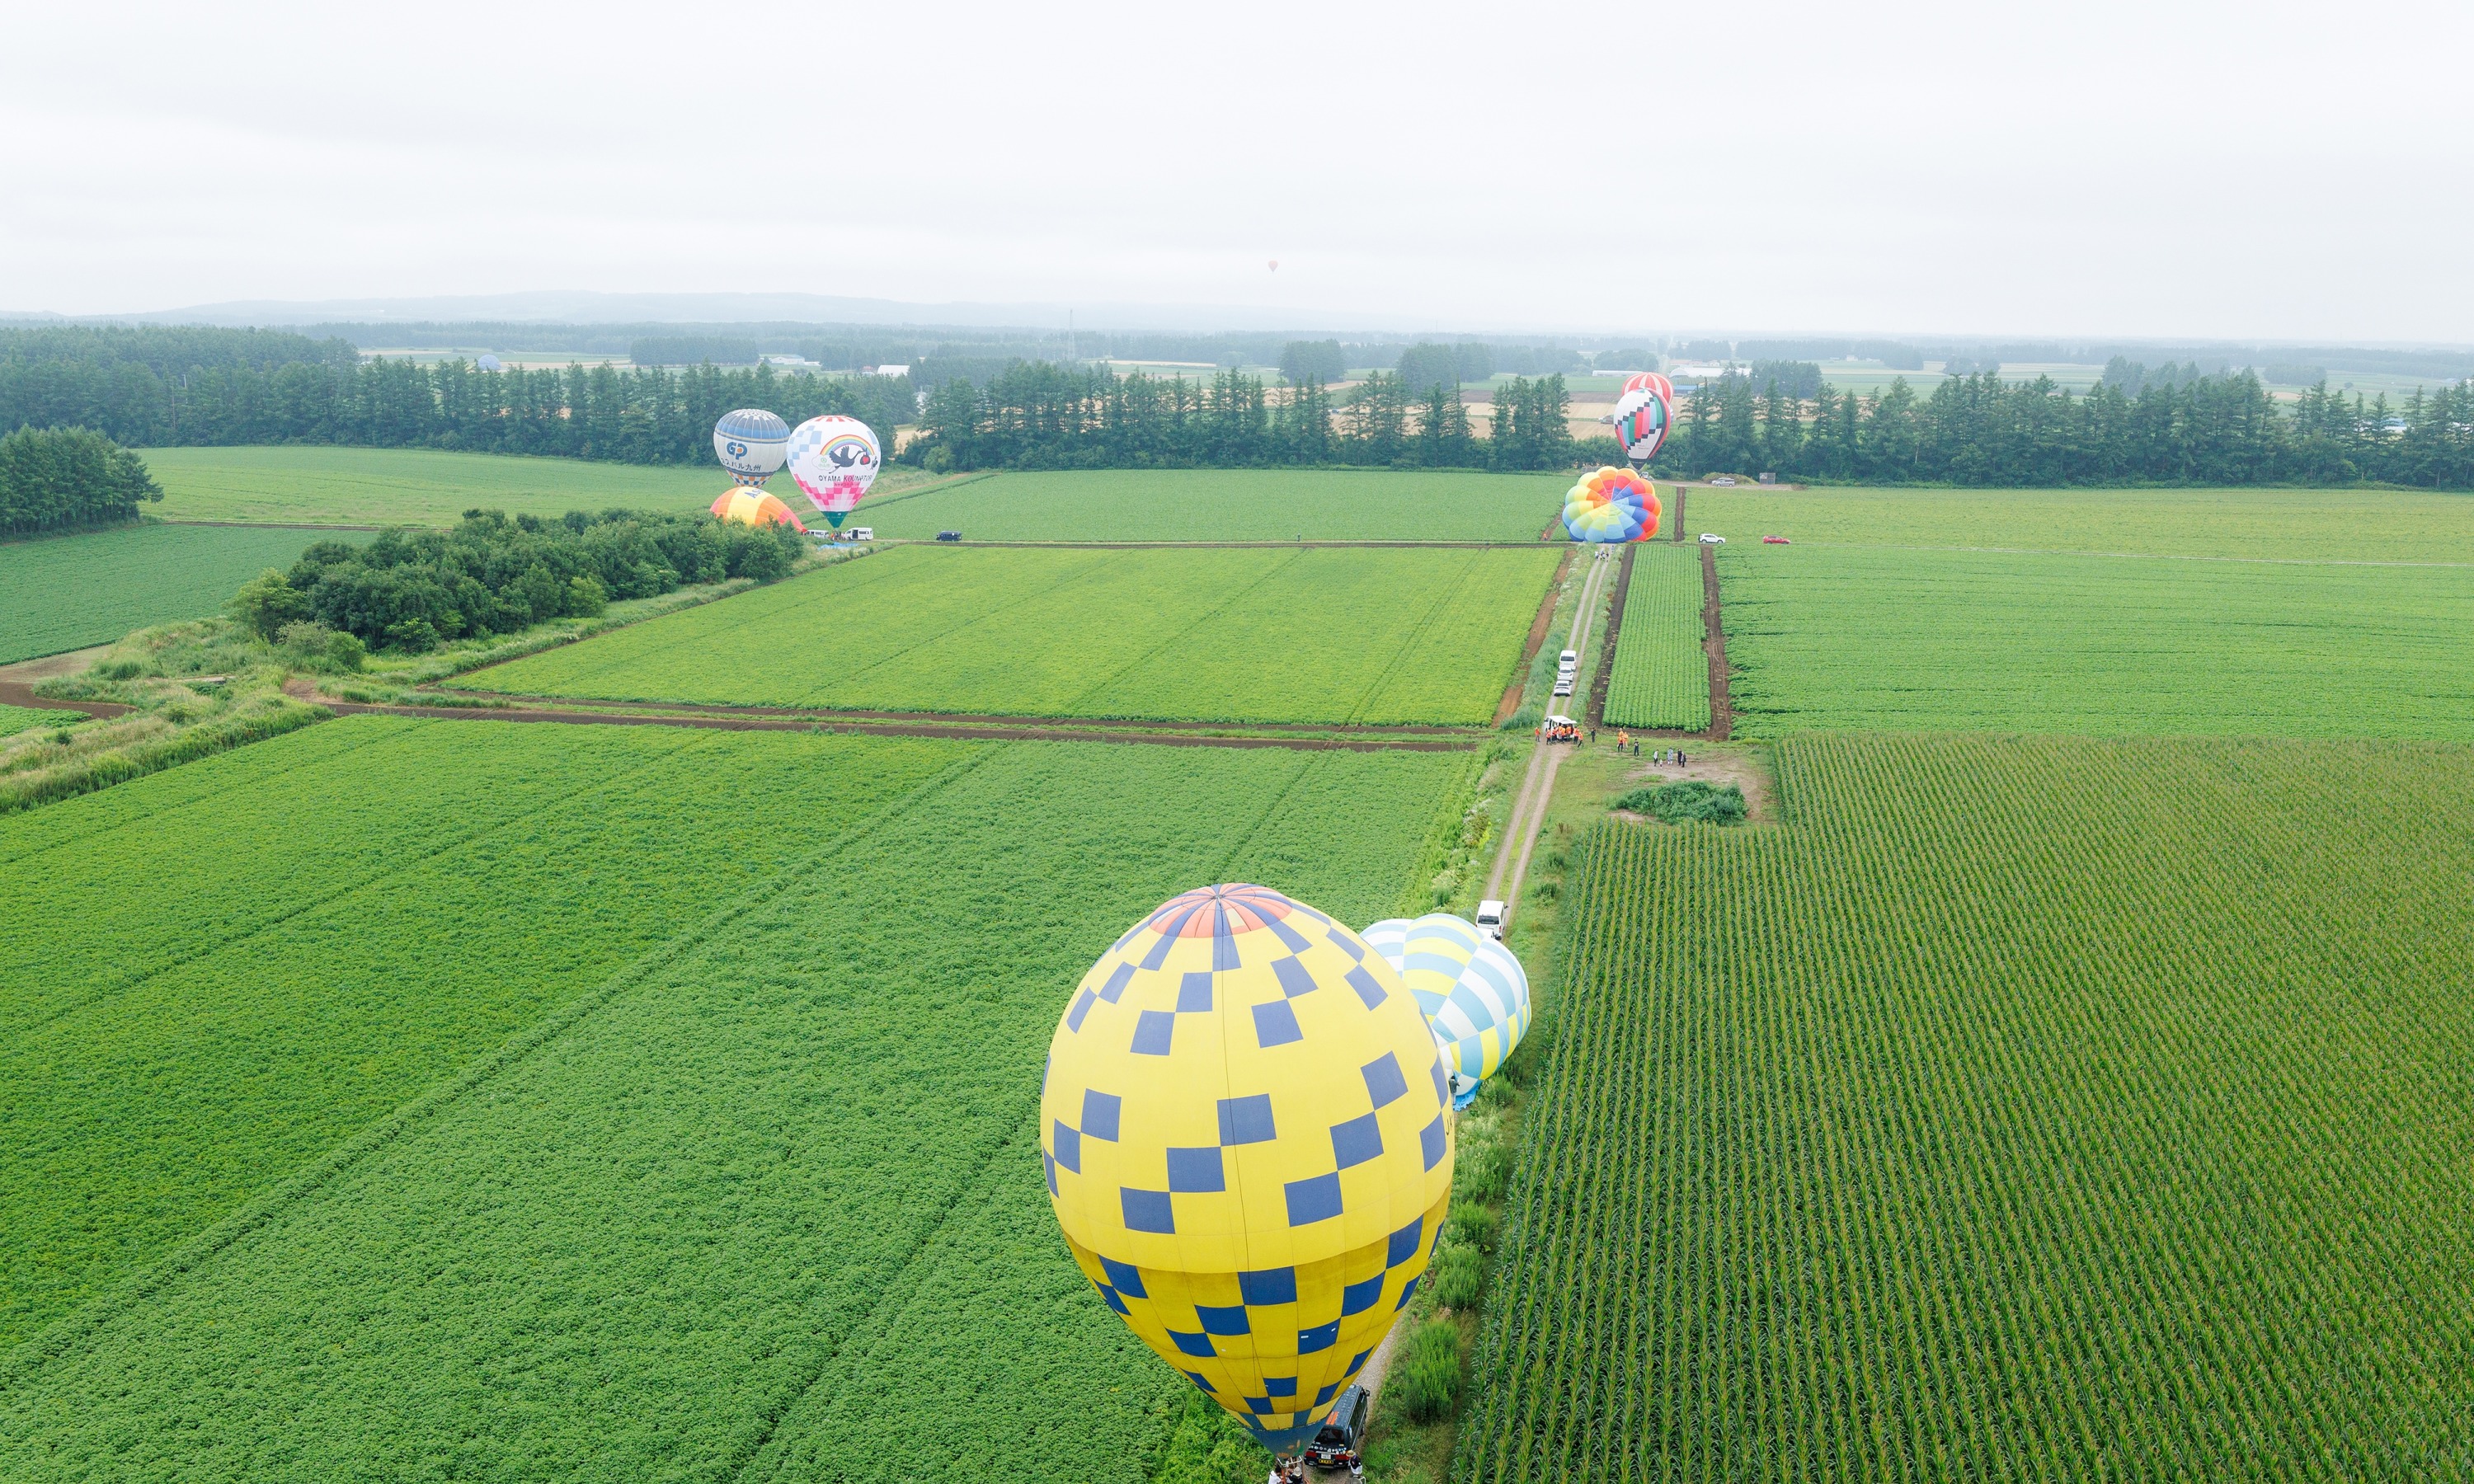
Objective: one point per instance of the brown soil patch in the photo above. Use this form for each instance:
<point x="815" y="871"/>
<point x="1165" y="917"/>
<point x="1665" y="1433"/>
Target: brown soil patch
<point x="19" y="693"/>
<point x="27" y="671"/>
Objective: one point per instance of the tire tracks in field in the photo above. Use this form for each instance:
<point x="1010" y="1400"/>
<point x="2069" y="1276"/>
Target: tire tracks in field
<point x="1391" y="671"/>
<point x="394" y="867"/>
<point x="19" y="1366"/>
<point x="1185" y="628"/>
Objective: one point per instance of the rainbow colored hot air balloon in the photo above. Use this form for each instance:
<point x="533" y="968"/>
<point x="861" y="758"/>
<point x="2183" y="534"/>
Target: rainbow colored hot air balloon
<point x="750" y="506"/>
<point x="1243" y="1128"/>
<point x="1644" y="413"/>
<point x="1612" y="505"/>
<point x="1474" y="992"/>
<point x="834" y="459"/>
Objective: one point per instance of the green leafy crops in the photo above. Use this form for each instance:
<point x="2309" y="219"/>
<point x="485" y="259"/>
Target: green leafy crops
<point x="417" y="487"/>
<point x="1253" y="635"/>
<point x="14" y="719"/>
<point x="2024" y="1110"/>
<point x="244" y="980"/>
<point x="65" y="592"/>
<point x="1661" y="674"/>
<point x="725" y="1163"/>
<point x="1229" y="504"/>
<point x="1833" y="638"/>
<point x="2386" y="525"/>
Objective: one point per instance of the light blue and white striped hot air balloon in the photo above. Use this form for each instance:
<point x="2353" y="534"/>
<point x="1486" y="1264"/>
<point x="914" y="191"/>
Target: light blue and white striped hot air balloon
<point x="1473" y="990"/>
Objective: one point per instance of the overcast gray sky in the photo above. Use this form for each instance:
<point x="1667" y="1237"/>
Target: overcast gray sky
<point x="2245" y="170"/>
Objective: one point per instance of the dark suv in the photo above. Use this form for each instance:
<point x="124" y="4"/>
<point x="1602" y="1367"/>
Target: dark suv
<point x="1343" y="1432"/>
<point x="949" y="536"/>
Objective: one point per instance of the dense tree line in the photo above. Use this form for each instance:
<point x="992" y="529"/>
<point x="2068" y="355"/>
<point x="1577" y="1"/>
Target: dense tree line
<point x="1975" y="430"/>
<point x="411" y="588"/>
<point x="1036" y="415"/>
<point x="59" y="479"/>
<point x="598" y="412"/>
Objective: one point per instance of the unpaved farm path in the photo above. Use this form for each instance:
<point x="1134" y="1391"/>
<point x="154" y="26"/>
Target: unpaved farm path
<point x="1529" y="807"/>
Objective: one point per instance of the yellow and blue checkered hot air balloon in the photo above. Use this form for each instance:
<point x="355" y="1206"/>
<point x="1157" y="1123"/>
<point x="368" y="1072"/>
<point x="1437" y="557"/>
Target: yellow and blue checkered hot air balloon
<point x="1244" y="1134"/>
<point x="1474" y="992"/>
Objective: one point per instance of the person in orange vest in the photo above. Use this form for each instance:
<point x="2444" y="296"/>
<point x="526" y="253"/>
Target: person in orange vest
<point x="1623" y="740"/>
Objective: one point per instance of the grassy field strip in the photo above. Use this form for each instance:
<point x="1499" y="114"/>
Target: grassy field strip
<point x="67" y="592"/>
<point x="423" y="486"/>
<point x="1841" y="639"/>
<point x="723" y="1171"/>
<point x="315" y="845"/>
<point x="1257" y="636"/>
<point x="2023" y="1107"/>
<point x="2149" y="556"/>
<point x="1660" y="675"/>
<point x="1229" y="504"/>
<point x="2269" y="524"/>
<point x="259" y="1055"/>
<point x="1071" y="581"/>
<point x="23" y="836"/>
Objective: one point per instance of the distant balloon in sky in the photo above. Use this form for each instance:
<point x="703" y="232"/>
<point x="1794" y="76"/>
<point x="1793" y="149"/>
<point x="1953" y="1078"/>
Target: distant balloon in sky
<point x="750" y="444"/>
<point x="1275" y="265"/>
<point x="1474" y="992"/>
<point x="1644" y="412"/>
<point x="1242" y="1130"/>
<point x="1612" y="505"/>
<point x="834" y="459"/>
<point x="750" y="506"/>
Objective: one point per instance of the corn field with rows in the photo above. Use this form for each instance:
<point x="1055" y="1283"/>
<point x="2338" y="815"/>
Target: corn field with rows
<point x="2035" y="1110"/>
<point x="1661" y="675"/>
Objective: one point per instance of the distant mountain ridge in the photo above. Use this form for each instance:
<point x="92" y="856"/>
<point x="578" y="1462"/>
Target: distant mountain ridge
<point x="588" y="307"/>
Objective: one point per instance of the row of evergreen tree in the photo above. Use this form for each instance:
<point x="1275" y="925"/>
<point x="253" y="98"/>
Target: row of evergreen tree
<point x="598" y="412"/>
<point x="57" y="479"/>
<point x="1035" y="414"/>
<point x="1977" y="431"/>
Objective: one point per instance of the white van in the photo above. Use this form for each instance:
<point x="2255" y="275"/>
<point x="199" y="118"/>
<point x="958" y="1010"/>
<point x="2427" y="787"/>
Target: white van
<point x="1568" y="660"/>
<point x="1490" y="918"/>
<point x="863" y="533"/>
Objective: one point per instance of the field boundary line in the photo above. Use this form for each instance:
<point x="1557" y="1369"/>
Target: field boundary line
<point x="963" y="733"/>
<point x="1538" y="781"/>
<point x="1713" y="641"/>
<point x="895" y="1296"/>
<point x="62" y="1335"/>
<point x="831" y="714"/>
<point x="394" y="867"/>
<point x="19" y="693"/>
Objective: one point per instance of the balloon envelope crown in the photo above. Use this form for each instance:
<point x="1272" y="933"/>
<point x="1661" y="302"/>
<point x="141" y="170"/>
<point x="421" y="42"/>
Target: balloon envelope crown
<point x="1612" y="505"/>
<point x="1245" y="1142"/>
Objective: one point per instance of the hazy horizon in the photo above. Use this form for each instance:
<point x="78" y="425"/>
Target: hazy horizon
<point x="2205" y="171"/>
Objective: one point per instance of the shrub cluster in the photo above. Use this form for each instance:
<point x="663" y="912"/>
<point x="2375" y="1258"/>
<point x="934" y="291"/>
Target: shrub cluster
<point x="54" y="479"/>
<point x="411" y="590"/>
<point x="1687" y="801"/>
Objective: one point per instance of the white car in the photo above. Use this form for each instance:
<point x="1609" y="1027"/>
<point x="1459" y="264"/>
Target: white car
<point x="1489" y="918"/>
<point x="1713" y="539"/>
<point x="1562" y="685"/>
<point x="1567" y="659"/>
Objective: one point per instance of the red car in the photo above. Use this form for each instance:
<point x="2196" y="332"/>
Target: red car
<point x="1775" y="541"/>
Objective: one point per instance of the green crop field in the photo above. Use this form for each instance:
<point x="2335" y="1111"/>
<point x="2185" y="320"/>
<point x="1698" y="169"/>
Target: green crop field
<point x="1229" y="504"/>
<point x="529" y="1101"/>
<point x="2021" y="1109"/>
<point x="14" y="719"/>
<point x="1841" y="637"/>
<point x="67" y="592"/>
<point x="2312" y="525"/>
<point x="1303" y="635"/>
<point x="420" y="486"/>
<point x="1661" y="674"/>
